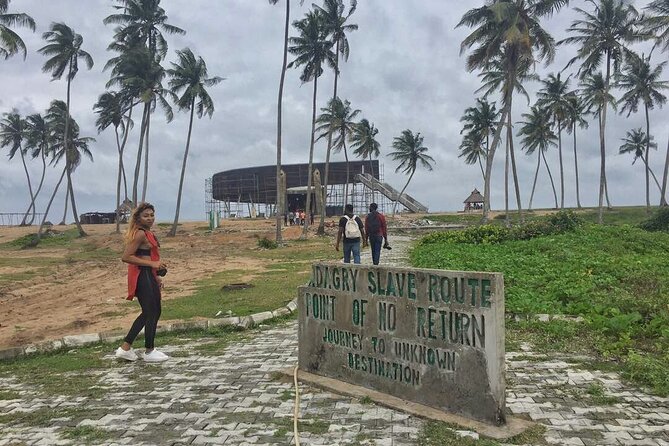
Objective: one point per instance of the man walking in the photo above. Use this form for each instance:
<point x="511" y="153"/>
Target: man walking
<point x="376" y="231"/>
<point x="352" y="230"/>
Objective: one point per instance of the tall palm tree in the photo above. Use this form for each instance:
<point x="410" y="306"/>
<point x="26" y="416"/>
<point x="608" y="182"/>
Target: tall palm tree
<point x="12" y="135"/>
<point x="312" y="49"/>
<point x="512" y="27"/>
<point x="64" y="51"/>
<point x="479" y="124"/>
<point x="337" y="123"/>
<point x="553" y="97"/>
<point x="280" y="212"/>
<point x="575" y="117"/>
<point x="114" y="109"/>
<point x="641" y="83"/>
<point x="39" y="141"/>
<point x="538" y="136"/>
<point x="334" y="21"/>
<point x="603" y="37"/>
<point x="636" y="142"/>
<point x="10" y="42"/>
<point x="411" y="153"/>
<point x="189" y="78"/>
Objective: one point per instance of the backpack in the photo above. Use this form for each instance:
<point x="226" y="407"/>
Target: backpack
<point x="352" y="230"/>
<point x="373" y="223"/>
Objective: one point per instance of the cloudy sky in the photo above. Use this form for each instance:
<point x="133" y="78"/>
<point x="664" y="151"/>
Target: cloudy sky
<point x="404" y="72"/>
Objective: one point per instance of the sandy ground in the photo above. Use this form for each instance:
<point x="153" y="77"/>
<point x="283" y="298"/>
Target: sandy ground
<point x="88" y="296"/>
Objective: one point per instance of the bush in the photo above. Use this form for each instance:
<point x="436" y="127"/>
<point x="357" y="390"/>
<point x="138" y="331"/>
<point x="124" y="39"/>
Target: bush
<point x="266" y="243"/>
<point x="659" y="221"/>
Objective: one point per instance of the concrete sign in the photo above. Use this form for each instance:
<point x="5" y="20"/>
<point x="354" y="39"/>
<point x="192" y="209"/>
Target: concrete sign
<point x="433" y="337"/>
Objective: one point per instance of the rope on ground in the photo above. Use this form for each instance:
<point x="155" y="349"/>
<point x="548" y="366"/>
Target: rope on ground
<point x="296" y="412"/>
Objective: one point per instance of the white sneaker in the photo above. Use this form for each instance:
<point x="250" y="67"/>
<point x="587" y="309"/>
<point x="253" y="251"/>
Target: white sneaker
<point x="128" y="355"/>
<point x="155" y="356"/>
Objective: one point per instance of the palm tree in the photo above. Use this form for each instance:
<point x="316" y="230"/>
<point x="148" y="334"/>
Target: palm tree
<point x="575" y="117"/>
<point x="641" y="83"/>
<point x="189" y="76"/>
<point x="363" y="142"/>
<point x="553" y="97"/>
<point x="513" y="28"/>
<point x="64" y="50"/>
<point x="479" y="123"/>
<point x="39" y="140"/>
<point x="111" y="109"/>
<point x="312" y="49"/>
<point x="280" y="212"/>
<point x="537" y="135"/>
<point x="337" y="121"/>
<point x="410" y="152"/>
<point x="636" y="142"/>
<point x="71" y="149"/>
<point x="603" y="37"/>
<point x="334" y="21"/>
<point x="657" y="24"/>
<point x="12" y="135"/>
<point x="10" y="42"/>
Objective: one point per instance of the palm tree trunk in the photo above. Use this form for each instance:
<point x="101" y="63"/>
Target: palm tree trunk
<point x="38" y="237"/>
<point x="321" y="224"/>
<point x="347" y="177"/>
<point x="146" y="156"/>
<point x="550" y="175"/>
<point x="657" y="183"/>
<point x="481" y="167"/>
<point x="118" y="182"/>
<point x="646" y="161"/>
<point x="68" y="158"/>
<point x="173" y="231"/>
<point x="663" y="192"/>
<point x="516" y="183"/>
<point x="82" y="233"/>
<point x="536" y="175"/>
<point x="138" y="162"/>
<point x="402" y="191"/>
<point x="126" y="132"/>
<point x="307" y="211"/>
<point x="39" y="188"/>
<point x="280" y="212"/>
<point x="561" y="164"/>
<point x="578" y="194"/>
<point x="602" y="145"/>
<point x="67" y="196"/>
<point x="30" y="188"/>
<point x="506" y="178"/>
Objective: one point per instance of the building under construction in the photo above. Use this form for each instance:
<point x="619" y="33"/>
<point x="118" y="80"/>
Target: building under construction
<point x="252" y="191"/>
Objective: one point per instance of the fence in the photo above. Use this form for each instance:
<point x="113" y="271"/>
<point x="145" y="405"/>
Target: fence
<point x="15" y="218"/>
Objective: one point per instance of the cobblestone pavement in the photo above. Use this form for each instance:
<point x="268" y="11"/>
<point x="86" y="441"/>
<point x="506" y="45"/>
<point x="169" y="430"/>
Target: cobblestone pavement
<point x="237" y="398"/>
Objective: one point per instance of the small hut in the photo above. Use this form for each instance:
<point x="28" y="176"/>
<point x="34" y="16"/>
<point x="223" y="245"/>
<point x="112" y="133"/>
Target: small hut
<point x="474" y="202"/>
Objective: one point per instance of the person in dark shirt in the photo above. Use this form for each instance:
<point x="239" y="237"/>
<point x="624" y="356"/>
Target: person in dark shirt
<point x="352" y="230"/>
<point x="376" y="231"/>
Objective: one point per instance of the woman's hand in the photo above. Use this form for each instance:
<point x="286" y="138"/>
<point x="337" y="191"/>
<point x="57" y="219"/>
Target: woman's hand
<point x="158" y="264"/>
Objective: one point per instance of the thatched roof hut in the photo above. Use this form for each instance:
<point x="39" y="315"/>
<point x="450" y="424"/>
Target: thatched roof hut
<point x="474" y="202"/>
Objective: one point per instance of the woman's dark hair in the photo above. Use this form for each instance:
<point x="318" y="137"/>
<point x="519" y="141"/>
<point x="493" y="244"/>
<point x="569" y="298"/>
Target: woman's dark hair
<point x="133" y="225"/>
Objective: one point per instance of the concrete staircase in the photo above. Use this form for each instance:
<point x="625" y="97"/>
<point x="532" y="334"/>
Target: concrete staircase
<point x="386" y="189"/>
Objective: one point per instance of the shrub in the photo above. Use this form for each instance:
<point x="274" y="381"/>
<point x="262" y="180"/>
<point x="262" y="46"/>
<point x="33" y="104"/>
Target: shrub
<point x="266" y="243"/>
<point x="659" y="221"/>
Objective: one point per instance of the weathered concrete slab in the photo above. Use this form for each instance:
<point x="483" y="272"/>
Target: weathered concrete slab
<point x="428" y="336"/>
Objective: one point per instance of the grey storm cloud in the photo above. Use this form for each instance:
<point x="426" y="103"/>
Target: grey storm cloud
<point x="404" y="72"/>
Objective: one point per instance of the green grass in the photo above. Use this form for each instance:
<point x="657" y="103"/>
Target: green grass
<point x="436" y="433"/>
<point x="616" y="277"/>
<point x="87" y="434"/>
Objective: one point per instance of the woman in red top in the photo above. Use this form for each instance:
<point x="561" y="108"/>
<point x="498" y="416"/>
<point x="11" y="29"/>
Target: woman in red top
<point x="142" y="255"/>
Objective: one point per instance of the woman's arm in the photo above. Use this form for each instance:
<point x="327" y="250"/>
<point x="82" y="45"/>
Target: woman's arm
<point x="130" y="249"/>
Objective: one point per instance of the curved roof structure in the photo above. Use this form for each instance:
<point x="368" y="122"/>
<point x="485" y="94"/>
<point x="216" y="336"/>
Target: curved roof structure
<point x="258" y="184"/>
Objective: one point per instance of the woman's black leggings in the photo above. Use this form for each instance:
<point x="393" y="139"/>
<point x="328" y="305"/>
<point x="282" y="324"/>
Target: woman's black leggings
<point x="148" y="295"/>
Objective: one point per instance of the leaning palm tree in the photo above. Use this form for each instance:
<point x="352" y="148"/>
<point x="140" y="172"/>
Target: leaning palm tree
<point x="10" y="42"/>
<point x="411" y="153"/>
<point x="39" y="141"/>
<point x="188" y="77"/>
<point x="337" y="123"/>
<point x="479" y="124"/>
<point x="637" y="143"/>
<point x="538" y="136"/>
<point x="575" y="118"/>
<point x="114" y="109"/>
<point x="603" y="37"/>
<point x="12" y="135"/>
<point x="312" y="49"/>
<point x="334" y="22"/>
<point x="64" y="51"/>
<point x="512" y="27"/>
<point x="553" y="97"/>
<point x="641" y="83"/>
<point x="280" y="212"/>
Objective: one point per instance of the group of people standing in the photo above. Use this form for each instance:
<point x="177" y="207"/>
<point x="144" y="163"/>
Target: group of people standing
<point x="373" y="232"/>
<point x="296" y="218"/>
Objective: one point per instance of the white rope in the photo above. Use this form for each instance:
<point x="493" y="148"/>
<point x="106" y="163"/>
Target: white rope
<point x="296" y="412"/>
